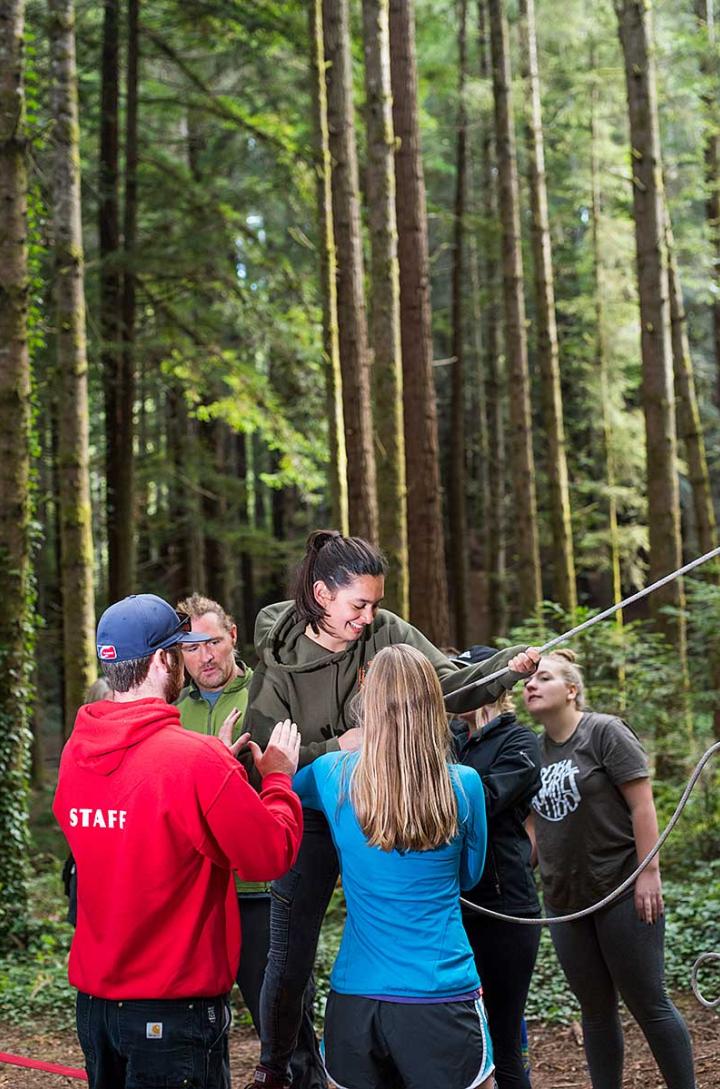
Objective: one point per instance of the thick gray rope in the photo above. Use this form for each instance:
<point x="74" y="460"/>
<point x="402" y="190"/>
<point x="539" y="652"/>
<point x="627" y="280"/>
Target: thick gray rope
<point x="594" y="620"/>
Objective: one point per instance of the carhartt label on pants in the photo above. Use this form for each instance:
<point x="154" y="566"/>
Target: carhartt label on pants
<point x="211" y="1015"/>
<point x="153" y="1030"/>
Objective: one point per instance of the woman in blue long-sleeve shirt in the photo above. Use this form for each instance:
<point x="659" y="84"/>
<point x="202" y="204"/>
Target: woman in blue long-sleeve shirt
<point x="405" y="1010"/>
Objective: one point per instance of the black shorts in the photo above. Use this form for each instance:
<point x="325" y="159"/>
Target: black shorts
<point x="374" y="1044"/>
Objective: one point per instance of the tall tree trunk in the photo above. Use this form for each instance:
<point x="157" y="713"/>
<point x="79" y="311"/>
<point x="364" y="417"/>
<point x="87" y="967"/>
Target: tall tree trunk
<point x="688" y="413"/>
<point x="118" y="428"/>
<point x="428" y="584"/>
<point x="526" y="542"/>
<point x="547" y="338"/>
<point x="494" y="385"/>
<point x="216" y="436"/>
<point x="337" y="468"/>
<point x="247" y="573"/>
<point x="186" y="545"/>
<point x="457" y="505"/>
<point x="126" y="393"/>
<point x="657" y="387"/>
<point x="385" y="304"/>
<point x="602" y="363"/>
<point x="710" y="68"/>
<point x="15" y="615"/>
<point x="76" y="546"/>
<point x="354" y="357"/>
<point x="657" y="374"/>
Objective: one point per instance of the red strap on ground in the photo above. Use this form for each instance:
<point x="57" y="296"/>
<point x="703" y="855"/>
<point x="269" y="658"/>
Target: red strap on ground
<point x="49" y="1068"/>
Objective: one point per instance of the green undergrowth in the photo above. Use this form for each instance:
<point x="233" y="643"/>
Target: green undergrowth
<point x="692" y="920"/>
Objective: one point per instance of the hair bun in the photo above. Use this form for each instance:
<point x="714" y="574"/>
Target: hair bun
<point x="564" y="652"/>
<point x="320" y="537"/>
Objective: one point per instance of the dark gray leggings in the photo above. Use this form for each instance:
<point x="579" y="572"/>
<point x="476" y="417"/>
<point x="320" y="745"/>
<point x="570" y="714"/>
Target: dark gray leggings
<point x="610" y="952"/>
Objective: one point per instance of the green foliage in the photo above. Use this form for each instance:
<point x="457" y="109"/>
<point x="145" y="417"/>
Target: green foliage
<point x="33" y="979"/>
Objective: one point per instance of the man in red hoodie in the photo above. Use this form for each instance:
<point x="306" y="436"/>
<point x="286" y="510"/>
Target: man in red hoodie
<point x="157" y="819"/>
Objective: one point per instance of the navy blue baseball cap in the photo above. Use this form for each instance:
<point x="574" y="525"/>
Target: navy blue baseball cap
<point x="139" y="625"/>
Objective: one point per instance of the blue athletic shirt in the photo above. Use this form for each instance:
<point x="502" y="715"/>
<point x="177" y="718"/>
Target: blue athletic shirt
<point x="403" y="935"/>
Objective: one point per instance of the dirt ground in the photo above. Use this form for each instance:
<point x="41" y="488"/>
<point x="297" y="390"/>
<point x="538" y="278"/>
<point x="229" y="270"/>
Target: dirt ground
<point x="556" y="1055"/>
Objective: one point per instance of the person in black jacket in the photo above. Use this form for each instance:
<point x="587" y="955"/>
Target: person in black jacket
<point x="506" y="755"/>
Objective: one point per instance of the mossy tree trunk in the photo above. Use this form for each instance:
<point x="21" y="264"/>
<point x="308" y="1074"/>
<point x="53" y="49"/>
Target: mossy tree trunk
<point x="494" y="376"/>
<point x="526" y="547"/>
<point x="710" y="69"/>
<point x="15" y="576"/>
<point x="352" y="321"/>
<point x="118" y="424"/>
<point x="385" y="304"/>
<point x="603" y="366"/>
<point x="337" y="468"/>
<point x="548" y="350"/>
<point x="75" y="516"/>
<point x="657" y="393"/>
<point x="428" y="583"/>
<point x="457" y="498"/>
<point x="689" y="426"/>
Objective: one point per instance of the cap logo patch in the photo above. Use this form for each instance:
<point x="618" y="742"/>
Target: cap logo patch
<point x="107" y="652"/>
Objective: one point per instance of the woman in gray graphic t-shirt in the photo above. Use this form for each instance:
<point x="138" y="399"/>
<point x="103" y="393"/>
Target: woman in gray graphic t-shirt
<point x="594" y="820"/>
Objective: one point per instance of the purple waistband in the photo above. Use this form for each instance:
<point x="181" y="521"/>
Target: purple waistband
<point x="430" y="1000"/>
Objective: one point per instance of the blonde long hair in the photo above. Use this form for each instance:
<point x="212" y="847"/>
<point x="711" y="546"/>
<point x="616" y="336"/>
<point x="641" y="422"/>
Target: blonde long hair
<point x="401" y="788"/>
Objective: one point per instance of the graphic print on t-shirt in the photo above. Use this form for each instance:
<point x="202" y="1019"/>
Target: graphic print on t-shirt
<point x="559" y="793"/>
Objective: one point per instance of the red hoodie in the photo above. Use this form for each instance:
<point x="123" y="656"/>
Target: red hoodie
<point x="157" y="818"/>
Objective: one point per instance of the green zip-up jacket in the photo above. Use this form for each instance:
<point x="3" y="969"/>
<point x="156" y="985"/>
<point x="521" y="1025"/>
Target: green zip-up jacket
<point x="197" y="714"/>
<point x="300" y="680"/>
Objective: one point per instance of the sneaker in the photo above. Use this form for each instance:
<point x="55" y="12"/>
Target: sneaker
<point x="265" y="1079"/>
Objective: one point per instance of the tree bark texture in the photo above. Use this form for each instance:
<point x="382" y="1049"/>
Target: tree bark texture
<point x="710" y="68"/>
<point x="15" y="615"/>
<point x="657" y="373"/>
<point x="385" y="305"/>
<point x="494" y="381"/>
<point x="126" y="392"/>
<point x="602" y="364"/>
<point x="457" y="505"/>
<point x="354" y="356"/>
<point x="215" y="437"/>
<point x="526" y="540"/>
<point x="118" y="426"/>
<point x="186" y="544"/>
<point x="428" y="584"/>
<point x="563" y="564"/>
<point x="688" y="422"/>
<point x="75" y="515"/>
<point x="337" y="468"/>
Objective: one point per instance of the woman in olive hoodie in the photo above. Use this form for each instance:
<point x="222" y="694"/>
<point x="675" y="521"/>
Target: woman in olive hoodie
<point x="313" y="655"/>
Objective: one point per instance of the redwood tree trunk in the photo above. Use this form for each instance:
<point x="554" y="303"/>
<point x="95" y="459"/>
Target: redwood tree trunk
<point x="385" y="304"/>
<point x="428" y="585"/>
<point x="15" y="615"/>
<point x="337" y="468"/>
<point x="657" y="370"/>
<point x="118" y="427"/>
<point x="354" y="357"/>
<point x="457" y="505"/>
<point x="563" y="564"/>
<point x="494" y="380"/>
<point x="526" y="542"/>
<point x="76" y="546"/>
<point x="688" y="412"/>
<point x="657" y="377"/>
<point x="710" y="68"/>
